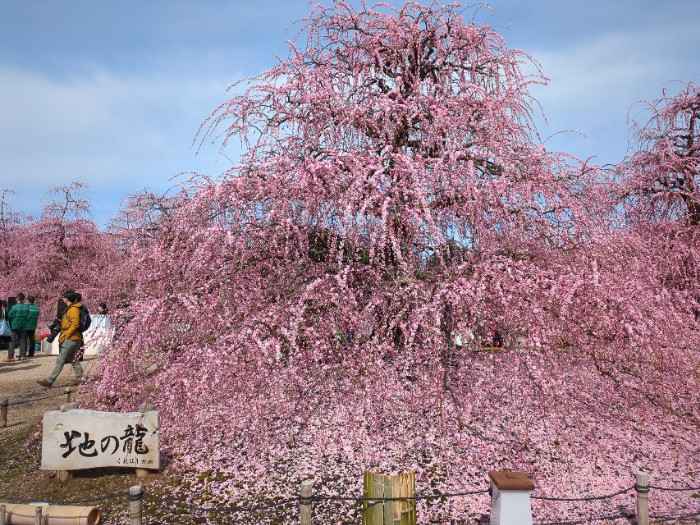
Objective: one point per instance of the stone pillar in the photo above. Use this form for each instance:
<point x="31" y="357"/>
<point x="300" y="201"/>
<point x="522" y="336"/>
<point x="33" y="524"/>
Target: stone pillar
<point x="135" y="505"/>
<point x="642" y="487"/>
<point x="510" y="498"/>
<point x="305" y="509"/>
<point x="3" y="412"/>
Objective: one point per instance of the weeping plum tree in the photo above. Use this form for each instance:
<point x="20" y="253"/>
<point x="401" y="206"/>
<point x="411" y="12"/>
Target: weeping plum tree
<point x="9" y="222"/>
<point x="662" y="178"/>
<point x="62" y="249"/>
<point x="398" y="153"/>
<point x="143" y="218"/>
<point x="660" y="193"/>
<point x="392" y="199"/>
<point x="660" y="188"/>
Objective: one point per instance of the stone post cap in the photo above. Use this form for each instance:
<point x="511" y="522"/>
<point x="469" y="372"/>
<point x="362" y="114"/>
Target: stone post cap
<point x="511" y="480"/>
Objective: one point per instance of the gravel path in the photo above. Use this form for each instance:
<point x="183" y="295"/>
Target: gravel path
<point x="27" y="400"/>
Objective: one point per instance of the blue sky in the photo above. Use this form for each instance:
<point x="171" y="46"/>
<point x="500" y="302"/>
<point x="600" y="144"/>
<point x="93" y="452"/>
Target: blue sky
<point x="112" y="93"/>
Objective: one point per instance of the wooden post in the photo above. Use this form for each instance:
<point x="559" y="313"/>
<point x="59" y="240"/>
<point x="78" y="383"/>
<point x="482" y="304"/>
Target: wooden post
<point x="642" y="488"/>
<point x="3" y="412"/>
<point x="135" y="505"/>
<point x="63" y="476"/>
<point x="37" y="515"/>
<point x="2" y="514"/>
<point x="307" y="487"/>
<point x="68" y="392"/>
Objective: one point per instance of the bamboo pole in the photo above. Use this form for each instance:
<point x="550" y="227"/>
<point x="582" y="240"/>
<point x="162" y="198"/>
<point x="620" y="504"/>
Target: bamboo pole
<point x="377" y="510"/>
<point x="399" y="492"/>
<point x="408" y="490"/>
<point x="388" y="505"/>
<point x="46" y="514"/>
<point x="366" y="494"/>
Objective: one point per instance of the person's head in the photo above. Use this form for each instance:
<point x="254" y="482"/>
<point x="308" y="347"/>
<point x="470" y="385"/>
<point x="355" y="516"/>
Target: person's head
<point x="70" y="297"/>
<point x="78" y="296"/>
<point x="30" y="299"/>
<point x="103" y="308"/>
<point x="20" y="297"/>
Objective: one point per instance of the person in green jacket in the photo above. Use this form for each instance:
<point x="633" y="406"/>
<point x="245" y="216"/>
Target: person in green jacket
<point x="30" y="327"/>
<point x="17" y="315"/>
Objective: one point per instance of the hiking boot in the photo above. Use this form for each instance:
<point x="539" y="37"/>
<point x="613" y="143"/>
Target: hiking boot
<point x="8" y="360"/>
<point x="45" y="382"/>
<point x="20" y="358"/>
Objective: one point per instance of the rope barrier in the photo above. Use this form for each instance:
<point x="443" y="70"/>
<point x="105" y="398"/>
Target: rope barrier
<point x="674" y="518"/>
<point x="69" y="502"/>
<point x="588" y="498"/>
<point x="403" y="498"/>
<point x="588" y="520"/>
<point x="34" y="399"/>
<point x="135" y="497"/>
<point x="252" y="509"/>
<point x="255" y="508"/>
<point x="92" y="500"/>
<point x="682" y="489"/>
<point x="306" y="500"/>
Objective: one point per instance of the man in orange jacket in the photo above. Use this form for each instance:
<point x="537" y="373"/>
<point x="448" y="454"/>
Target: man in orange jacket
<point x="70" y="340"/>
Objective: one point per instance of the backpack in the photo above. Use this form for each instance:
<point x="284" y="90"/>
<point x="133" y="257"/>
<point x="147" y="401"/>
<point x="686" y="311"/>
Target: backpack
<point x="85" y="319"/>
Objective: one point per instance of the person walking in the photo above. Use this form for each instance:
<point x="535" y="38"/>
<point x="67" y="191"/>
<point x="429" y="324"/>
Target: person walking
<point x="101" y="320"/>
<point x="30" y="328"/>
<point x="6" y="336"/>
<point x="17" y="315"/>
<point x="70" y="340"/>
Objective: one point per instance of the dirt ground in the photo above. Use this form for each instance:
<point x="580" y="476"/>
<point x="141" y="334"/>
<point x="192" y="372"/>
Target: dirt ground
<point x="21" y="479"/>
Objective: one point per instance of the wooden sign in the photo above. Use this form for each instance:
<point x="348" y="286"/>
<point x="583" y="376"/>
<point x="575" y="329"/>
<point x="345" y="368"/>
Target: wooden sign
<point x="83" y="439"/>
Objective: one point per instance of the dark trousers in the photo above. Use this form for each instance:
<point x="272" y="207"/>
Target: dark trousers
<point x="31" y="343"/>
<point x="20" y="336"/>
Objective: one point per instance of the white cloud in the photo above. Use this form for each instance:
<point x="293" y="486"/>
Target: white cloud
<point x="594" y="83"/>
<point x="119" y="133"/>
